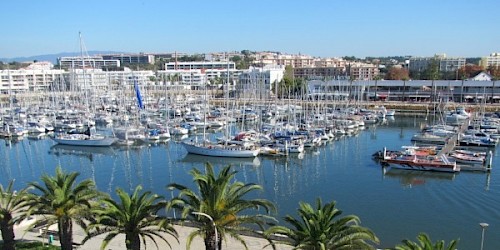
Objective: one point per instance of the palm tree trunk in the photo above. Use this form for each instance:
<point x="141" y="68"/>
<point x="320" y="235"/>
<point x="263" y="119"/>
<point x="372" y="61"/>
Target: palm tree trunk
<point x="132" y="241"/>
<point x="7" y="232"/>
<point x="66" y="233"/>
<point x="210" y="241"/>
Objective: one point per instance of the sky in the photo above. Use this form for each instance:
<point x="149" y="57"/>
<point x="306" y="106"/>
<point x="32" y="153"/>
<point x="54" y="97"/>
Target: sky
<point x="321" y="28"/>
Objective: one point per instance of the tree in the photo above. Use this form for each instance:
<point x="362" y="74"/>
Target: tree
<point x="432" y="71"/>
<point x="135" y="216"/>
<point x="318" y="228"/>
<point x="350" y="58"/>
<point x="290" y="85"/>
<point x="12" y="209"/>
<point x="191" y="58"/>
<point x="63" y="201"/>
<point x="396" y="73"/>
<point x="236" y="59"/>
<point x="425" y="243"/>
<point x="246" y="61"/>
<point x="470" y="70"/>
<point x="494" y="71"/>
<point x="224" y="201"/>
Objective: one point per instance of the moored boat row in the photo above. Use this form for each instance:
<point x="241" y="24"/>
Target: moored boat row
<point x="446" y="157"/>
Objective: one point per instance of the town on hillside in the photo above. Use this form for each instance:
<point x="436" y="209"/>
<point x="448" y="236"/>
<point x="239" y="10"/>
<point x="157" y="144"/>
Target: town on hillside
<point x="266" y="74"/>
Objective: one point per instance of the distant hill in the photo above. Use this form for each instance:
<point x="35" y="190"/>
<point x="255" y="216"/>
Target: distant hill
<point x="53" y="57"/>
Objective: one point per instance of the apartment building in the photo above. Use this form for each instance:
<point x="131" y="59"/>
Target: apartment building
<point x="28" y="80"/>
<point x="92" y="62"/>
<point x="205" y="65"/>
<point x="258" y="82"/>
<point x="337" y="69"/>
<point x="445" y="64"/>
<point x="493" y="60"/>
<point x="271" y="58"/>
<point x="140" y="58"/>
<point x="320" y="72"/>
<point x="330" y="62"/>
<point x="362" y="71"/>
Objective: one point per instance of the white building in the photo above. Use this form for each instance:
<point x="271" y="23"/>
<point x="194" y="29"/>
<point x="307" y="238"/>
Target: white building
<point x="445" y="64"/>
<point x="483" y="76"/>
<point x="196" y="75"/>
<point x="94" y="62"/>
<point x="183" y="79"/>
<point x="131" y="58"/>
<point x="492" y="60"/>
<point x="258" y="82"/>
<point x="28" y="80"/>
<point x="97" y="79"/>
<point x="220" y="65"/>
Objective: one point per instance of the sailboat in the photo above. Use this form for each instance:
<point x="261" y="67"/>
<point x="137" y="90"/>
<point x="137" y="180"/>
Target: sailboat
<point x="225" y="149"/>
<point x="90" y="137"/>
<point x="128" y="134"/>
<point x="220" y="150"/>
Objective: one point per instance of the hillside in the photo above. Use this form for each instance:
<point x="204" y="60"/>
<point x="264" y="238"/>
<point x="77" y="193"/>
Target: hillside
<point x="53" y="57"/>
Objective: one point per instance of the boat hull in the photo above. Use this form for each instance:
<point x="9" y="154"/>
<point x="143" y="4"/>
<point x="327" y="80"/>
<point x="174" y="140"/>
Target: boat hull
<point x="452" y="168"/>
<point x="220" y="151"/>
<point x="92" y="142"/>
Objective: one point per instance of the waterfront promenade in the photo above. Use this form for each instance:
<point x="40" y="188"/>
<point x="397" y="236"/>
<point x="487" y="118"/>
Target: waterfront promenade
<point x="119" y="242"/>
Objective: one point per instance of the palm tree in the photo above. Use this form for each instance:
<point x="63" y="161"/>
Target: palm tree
<point x="425" y="243"/>
<point x="63" y="201"/>
<point x="135" y="216"/>
<point x="223" y="201"/>
<point x="317" y="228"/>
<point x="12" y="209"/>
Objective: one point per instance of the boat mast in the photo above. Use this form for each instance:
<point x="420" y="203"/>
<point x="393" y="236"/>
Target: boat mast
<point x="205" y="115"/>
<point x="226" y="94"/>
<point x="10" y="89"/>
<point x="83" y="71"/>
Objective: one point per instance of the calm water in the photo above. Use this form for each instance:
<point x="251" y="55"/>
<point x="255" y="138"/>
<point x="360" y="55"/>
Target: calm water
<point x="395" y="205"/>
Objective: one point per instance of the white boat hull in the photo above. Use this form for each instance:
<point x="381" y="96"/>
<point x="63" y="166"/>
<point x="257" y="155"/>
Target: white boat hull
<point x="220" y="150"/>
<point x="88" y="141"/>
<point x="421" y="167"/>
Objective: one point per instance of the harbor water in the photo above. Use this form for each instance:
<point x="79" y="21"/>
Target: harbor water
<point x="395" y="204"/>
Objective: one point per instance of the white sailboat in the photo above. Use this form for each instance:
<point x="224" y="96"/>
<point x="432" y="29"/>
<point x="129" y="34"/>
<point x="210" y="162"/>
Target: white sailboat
<point x="90" y="137"/>
<point x="87" y="139"/>
<point x="208" y="148"/>
<point x="130" y="134"/>
<point x="220" y="150"/>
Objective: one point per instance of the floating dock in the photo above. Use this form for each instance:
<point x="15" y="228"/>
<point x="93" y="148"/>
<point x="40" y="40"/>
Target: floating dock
<point x="451" y="145"/>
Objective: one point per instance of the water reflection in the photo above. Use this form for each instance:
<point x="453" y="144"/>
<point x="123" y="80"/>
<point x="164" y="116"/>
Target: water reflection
<point x="84" y="151"/>
<point x="338" y="170"/>
<point x="178" y="138"/>
<point x="410" y="178"/>
<point x="221" y="161"/>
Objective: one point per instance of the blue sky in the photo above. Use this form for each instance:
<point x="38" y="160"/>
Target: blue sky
<point x="323" y="28"/>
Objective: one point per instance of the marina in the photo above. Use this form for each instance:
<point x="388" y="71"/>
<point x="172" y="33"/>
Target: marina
<point x="392" y="135"/>
<point x="339" y="169"/>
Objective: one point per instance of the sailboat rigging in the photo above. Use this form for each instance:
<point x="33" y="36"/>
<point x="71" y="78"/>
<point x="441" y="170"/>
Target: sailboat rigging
<point x="225" y="149"/>
<point x="90" y="137"/>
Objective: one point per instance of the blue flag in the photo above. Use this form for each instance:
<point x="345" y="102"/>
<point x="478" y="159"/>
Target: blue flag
<point x="139" y="97"/>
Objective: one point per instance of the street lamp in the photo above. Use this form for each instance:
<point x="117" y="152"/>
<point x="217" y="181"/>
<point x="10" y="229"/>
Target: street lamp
<point x="213" y="224"/>
<point x="483" y="228"/>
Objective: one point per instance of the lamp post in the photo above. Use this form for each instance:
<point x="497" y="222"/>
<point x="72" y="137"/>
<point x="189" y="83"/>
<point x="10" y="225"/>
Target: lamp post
<point x="483" y="228"/>
<point x="213" y="224"/>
